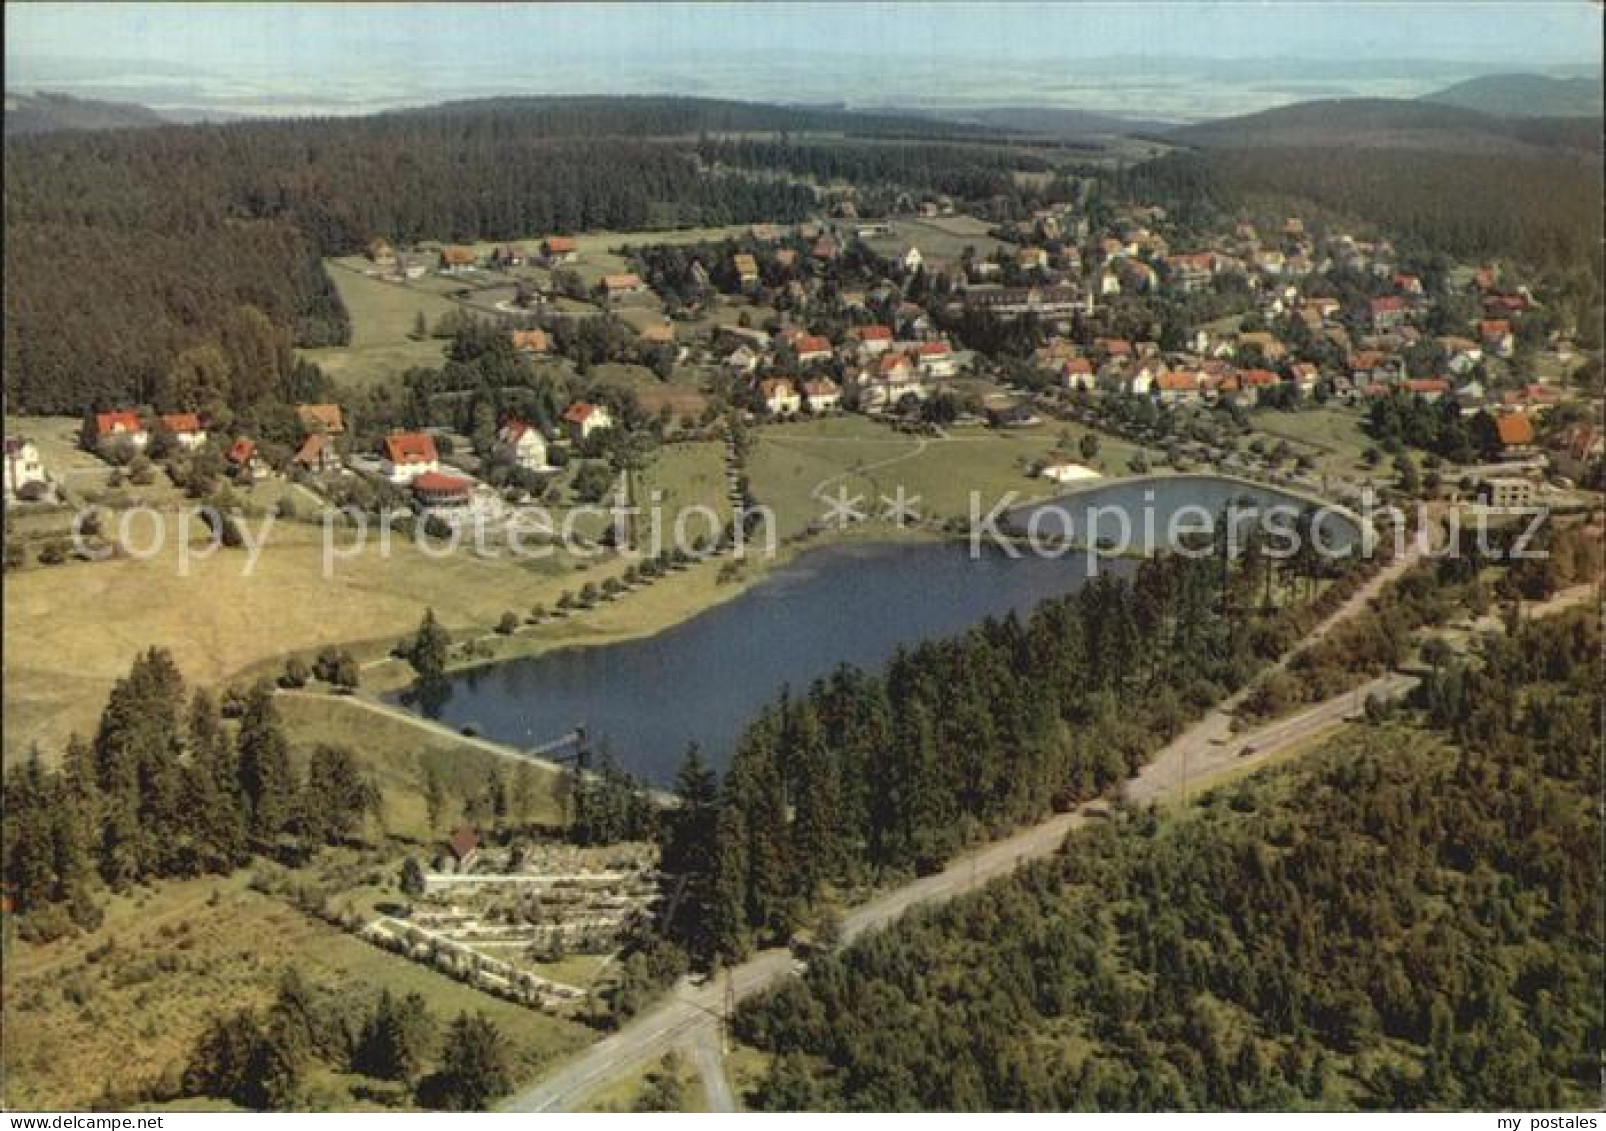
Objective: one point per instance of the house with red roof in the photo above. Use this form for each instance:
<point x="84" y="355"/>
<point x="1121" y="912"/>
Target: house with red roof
<point x="121" y="426"/>
<point x="560" y="249"/>
<point x="243" y="458"/>
<point x="463" y="848"/>
<point x="408" y="455"/>
<point x="1496" y="335"/>
<point x="456" y="260"/>
<point x="1077" y="373"/>
<point x="822" y="393"/>
<point x="1175" y="386"/>
<point x="186" y="430"/>
<point x="434" y="490"/>
<point x="811" y="349"/>
<point x="522" y="445"/>
<point x="583" y="420"/>
<point x="1516" y="432"/>
<point x="1389" y="311"/>
<point x="935" y="359"/>
<point x="317" y="454"/>
<point x="875" y="339"/>
<point x="1428" y="388"/>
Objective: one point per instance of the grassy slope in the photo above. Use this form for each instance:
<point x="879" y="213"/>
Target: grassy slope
<point x="180" y="959"/>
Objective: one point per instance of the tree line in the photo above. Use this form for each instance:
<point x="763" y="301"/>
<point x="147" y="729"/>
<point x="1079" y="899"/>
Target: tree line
<point x="263" y="1059"/>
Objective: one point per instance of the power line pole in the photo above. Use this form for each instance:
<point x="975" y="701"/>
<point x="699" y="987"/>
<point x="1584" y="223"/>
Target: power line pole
<point x="729" y="1014"/>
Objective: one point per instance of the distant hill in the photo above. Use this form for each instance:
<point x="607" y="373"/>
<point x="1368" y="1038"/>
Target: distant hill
<point x="1387" y="123"/>
<point x="1044" y="121"/>
<point x="1524" y="96"/>
<point x="588" y="116"/>
<point x="43" y="112"/>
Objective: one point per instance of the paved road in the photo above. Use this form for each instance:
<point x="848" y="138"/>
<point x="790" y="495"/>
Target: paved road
<point x="1205" y="749"/>
<point x="708" y="1054"/>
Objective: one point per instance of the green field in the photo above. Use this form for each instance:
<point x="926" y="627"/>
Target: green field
<point x="794" y="465"/>
<point x="1333" y="437"/>
<point x="395" y="754"/>
<point x="942" y="237"/>
<point x="382" y="318"/>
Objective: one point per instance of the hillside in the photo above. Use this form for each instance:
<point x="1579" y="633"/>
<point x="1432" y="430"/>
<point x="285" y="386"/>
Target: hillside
<point x="1387" y="123"/>
<point x="43" y="112"/>
<point x="1408" y="919"/>
<point x="1524" y="96"/>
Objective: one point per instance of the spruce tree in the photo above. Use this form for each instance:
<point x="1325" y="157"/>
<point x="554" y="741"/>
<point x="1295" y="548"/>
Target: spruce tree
<point x="265" y="777"/>
<point x="474" y="1071"/>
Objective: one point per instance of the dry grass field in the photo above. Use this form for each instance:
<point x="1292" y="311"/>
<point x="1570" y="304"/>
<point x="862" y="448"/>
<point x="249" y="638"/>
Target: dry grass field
<point x="65" y="646"/>
<point x="71" y="630"/>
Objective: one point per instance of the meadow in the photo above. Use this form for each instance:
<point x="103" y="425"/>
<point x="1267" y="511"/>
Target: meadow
<point x="383" y="318"/>
<point x="124" y="1006"/>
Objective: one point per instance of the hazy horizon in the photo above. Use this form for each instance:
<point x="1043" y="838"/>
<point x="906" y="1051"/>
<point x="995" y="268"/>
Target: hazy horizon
<point x="1163" y="61"/>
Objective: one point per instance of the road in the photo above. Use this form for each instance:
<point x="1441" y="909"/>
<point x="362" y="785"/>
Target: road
<point x="708" y="1054"/>
<point x="1202" y="751"/>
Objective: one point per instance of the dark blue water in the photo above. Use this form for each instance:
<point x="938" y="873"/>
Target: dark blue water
<point x="704" y="680"/>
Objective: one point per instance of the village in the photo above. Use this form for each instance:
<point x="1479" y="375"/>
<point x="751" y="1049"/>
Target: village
<point x="1035" y="320"/>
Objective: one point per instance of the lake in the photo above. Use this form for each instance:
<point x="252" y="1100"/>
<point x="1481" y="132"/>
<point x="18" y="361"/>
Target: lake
<point x="705" y="679"/>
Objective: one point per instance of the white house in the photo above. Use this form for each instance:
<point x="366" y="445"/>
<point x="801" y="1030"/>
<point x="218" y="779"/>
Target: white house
<point x="522" y="445"/>
<point x="409" y="455"/>
<point x="935" y="359"/>
<point x="823" y="393"/>
<point x="584" y="420"/>
<point x="741" y="360"/>
<point x="23" y="466"/>
<point x="1078" y="374"/>
<point x="780" y="396"/>
<point x="121" y="427"/>
<point x="186" y="430"/>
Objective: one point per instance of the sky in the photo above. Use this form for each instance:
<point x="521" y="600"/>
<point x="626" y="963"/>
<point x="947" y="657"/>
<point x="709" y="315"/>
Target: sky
<point x="339" y="57"/>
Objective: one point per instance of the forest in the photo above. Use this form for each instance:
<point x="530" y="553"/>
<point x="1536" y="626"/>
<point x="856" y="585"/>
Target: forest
<point x="1410" y="918"/>
<point x="863" y="776"/>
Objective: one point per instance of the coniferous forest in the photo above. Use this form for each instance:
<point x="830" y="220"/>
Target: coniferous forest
<point x="1409" y="919"/>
